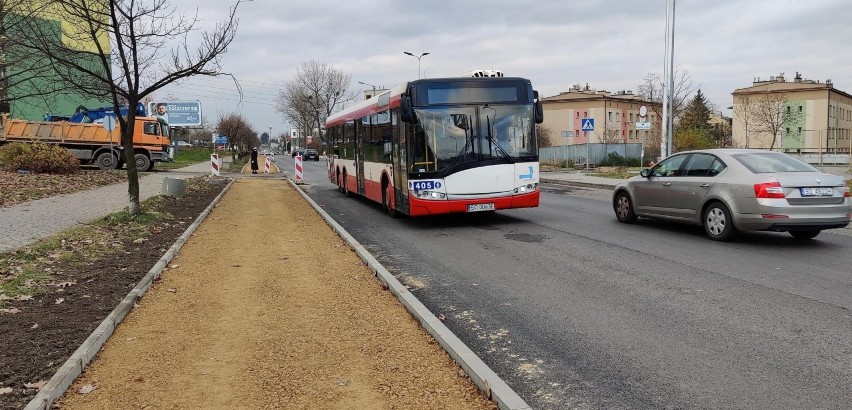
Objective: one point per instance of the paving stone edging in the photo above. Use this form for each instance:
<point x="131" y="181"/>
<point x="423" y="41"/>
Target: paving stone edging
<point x="485" y="379"/>
<point x="73" y="367"/>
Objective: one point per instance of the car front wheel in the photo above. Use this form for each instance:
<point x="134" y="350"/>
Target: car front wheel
<point x="718" y="224"/>
<point x="624" y="208"/>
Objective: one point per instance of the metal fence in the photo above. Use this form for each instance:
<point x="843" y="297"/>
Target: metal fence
<point x="597" y="152"/>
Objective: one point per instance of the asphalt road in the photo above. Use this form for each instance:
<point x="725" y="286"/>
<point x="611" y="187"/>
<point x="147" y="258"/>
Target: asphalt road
<point x="575" y="310"/>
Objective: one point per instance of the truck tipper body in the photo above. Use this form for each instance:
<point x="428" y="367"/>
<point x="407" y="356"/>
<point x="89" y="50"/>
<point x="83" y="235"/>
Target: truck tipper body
<point x="91" y="143"/>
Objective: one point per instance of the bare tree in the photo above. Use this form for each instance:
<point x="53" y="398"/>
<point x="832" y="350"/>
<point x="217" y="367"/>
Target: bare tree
<point x="24" y="76"/>
<point x="545" y="135"/>
<point x="316" y="92"/>
<point x="770" y="114"/>
<point x="652" y="86"/>
<point x="132" y="49"/>
<point x="239" y="133"/>
<point x="611" y="135"/>
<point x="742" y="112"/>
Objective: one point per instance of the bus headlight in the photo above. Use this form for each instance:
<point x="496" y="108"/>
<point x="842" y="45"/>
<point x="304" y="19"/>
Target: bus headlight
<point x="526" y="188"/>
<point x="430" y="194"/>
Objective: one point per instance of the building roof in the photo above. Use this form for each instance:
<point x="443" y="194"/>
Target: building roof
<point x="780" y="84"/>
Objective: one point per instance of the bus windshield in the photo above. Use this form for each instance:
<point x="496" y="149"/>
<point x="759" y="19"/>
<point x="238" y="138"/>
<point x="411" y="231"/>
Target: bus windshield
<point x="447" y="136"/>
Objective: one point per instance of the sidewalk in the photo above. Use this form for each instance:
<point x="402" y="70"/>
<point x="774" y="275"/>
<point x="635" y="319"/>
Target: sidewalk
<point x="29" y="222"/>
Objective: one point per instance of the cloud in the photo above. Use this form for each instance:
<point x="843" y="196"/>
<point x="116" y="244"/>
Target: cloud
<point x="609" y="44"/>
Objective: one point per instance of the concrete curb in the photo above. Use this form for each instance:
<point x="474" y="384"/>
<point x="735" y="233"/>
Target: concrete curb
<point x="73" y="367"/>
<point x="489" y="382"/>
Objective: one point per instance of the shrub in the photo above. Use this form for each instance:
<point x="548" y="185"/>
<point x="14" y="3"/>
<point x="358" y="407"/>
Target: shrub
<point x="38" y="158"/>
<point x="559" y="163"/>
<point x="614" y="159"/>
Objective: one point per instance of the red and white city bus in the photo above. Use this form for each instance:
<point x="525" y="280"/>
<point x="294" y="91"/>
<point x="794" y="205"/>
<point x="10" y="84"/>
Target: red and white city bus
<point x="440" y="145"/>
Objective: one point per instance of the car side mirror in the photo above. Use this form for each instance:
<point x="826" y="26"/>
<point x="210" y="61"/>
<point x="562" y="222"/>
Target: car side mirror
<point x="645" y="173"/>
<point x="539" y="109"/>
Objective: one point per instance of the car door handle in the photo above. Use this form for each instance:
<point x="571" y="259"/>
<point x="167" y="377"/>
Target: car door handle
<point x="705" y="185"/>
<point x="667" y="183"/>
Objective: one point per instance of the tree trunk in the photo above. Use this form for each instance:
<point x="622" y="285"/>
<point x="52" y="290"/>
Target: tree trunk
<point x="133" y="207"/>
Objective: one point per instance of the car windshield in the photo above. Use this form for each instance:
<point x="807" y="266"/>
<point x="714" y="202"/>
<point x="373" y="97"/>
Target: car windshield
<point x="767" y="162"/>
<point x="452" y="135"/>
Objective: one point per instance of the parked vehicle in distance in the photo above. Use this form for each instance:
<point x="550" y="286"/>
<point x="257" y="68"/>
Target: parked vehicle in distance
<point x="726" y="190"/>
<point x="183" y="144"/>
<point x="298" y="152"/>
<point x="310" y="153"/>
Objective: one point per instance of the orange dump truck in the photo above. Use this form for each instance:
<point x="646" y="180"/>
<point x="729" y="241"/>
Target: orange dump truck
<point x="91" y="143"/>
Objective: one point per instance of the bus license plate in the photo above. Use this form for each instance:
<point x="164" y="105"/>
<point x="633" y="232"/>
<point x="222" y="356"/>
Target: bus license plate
<point x="822" y="191"/>
<point x="480" y="207"/>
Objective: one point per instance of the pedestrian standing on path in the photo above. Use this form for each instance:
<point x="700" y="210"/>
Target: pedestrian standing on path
<point x="254" y="161"/>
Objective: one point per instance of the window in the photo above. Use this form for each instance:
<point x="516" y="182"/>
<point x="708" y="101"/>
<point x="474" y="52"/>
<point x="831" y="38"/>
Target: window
<point x="788" y="130"/>
<point x="609" y="116"/>
<point x="800" y="108"/>
<point x="578" y="114"/>
<point x="800" y="130"/>
<point x="630" y="134"/>
<point x="631" y="117"/>
<point x="701" y="165"/>
<point x="788" y="109"/>
<point x="669" y="167"/>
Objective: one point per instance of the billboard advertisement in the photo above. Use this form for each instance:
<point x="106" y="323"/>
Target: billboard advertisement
<point x="177" y="113"/>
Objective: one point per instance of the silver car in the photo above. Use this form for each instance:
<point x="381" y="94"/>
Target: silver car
<point x="726" y="190"/>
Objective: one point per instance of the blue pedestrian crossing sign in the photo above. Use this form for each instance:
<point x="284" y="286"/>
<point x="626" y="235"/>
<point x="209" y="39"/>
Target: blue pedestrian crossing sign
<point x="588" y="124"/>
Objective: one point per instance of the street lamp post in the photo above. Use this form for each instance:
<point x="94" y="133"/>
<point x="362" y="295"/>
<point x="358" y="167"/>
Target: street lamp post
<point x="418" y="61"/>
<point x="371" y="85"/>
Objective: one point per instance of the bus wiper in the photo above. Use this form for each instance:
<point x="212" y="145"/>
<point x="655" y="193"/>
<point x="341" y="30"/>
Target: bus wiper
<point x="496" y="144"/>
<point x="468" y="140"/>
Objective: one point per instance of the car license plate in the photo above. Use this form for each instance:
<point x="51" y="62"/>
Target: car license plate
<point x="821" y="191"/>
<point x="480" y="207"/>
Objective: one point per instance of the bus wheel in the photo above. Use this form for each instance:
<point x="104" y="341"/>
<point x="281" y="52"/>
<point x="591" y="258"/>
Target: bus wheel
<point x="386" y="195"/>
<point x="345" y="187"/>
<point x="106" y="160"/>
<point x="339" y="183"/>
<point x="143" y="163"/>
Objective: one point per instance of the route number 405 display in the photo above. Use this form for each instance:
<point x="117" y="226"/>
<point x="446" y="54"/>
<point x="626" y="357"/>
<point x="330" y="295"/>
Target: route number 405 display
<point x="424" y="185"/>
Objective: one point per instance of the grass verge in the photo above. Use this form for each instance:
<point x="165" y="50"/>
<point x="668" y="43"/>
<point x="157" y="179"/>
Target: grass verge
<point x="187" y="156"/>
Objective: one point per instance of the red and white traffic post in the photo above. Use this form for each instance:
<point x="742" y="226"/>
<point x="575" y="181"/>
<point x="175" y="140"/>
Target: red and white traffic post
<point x="298" y="169"/>
<point x="214" y="164"/>
<point x="266" y="165"/>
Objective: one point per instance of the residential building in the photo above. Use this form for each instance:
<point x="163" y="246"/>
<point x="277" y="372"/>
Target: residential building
<point x="615" y="116"/>
<point x="806" y="116"/>
<point x="30" y="88"/>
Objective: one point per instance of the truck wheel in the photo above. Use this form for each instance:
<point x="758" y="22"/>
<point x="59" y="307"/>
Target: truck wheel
<point x="143" y="163"/>
<point x="106" y="161"/>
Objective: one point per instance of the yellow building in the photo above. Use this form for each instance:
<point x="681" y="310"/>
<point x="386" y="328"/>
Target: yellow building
<point x="33" y="87"/>
<point x="615" y="117"/>
<point x="809" y="116"/>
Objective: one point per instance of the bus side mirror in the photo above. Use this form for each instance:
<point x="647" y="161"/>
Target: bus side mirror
<point x="405" y="109"/>
<point x="539" y="109"/>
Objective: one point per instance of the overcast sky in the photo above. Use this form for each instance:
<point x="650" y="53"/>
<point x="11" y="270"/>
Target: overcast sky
<point x="609" y="44"/>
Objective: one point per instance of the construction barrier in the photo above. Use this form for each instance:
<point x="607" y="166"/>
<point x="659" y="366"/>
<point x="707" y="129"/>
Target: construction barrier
<point x="214" y="164"/>
<point x="298" y="169"/>
<point x="266" y="165"/>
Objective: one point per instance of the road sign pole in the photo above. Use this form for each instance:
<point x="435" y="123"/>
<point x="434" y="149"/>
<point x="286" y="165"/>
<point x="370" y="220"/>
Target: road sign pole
<point x="586" y="134"/>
